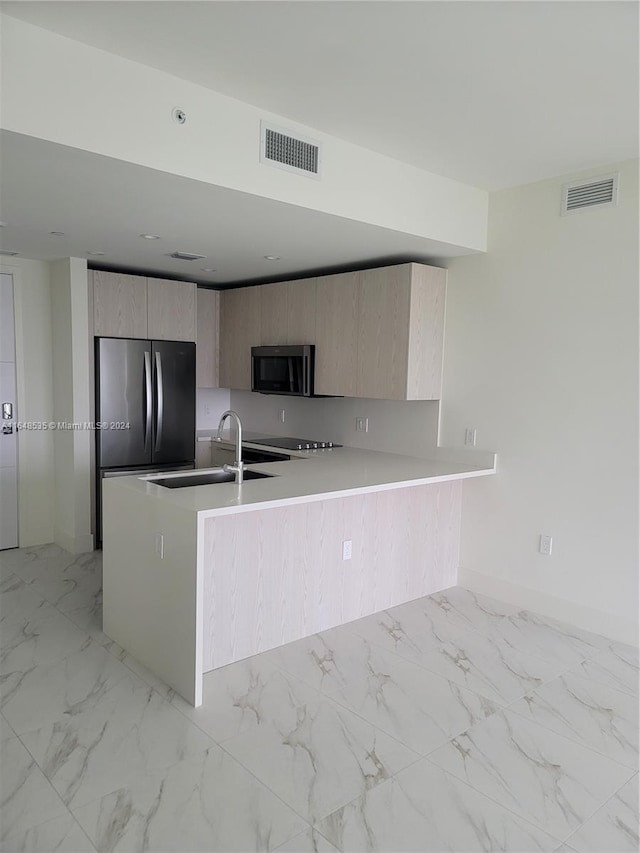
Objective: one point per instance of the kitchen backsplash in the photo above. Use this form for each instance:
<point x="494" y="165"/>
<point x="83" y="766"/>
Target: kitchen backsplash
<point x="210" y="404"/>
<point x="395" y="426"/>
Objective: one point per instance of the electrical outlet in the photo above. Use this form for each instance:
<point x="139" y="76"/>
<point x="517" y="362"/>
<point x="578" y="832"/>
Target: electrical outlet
<point x="347" y="548"/>
<point x="362" y="424"/>
<point x="281" y="416"/>
<point x="470" y="437"/>
<point x="160" y="545"/>
<point x="207" y="410"/>
<point x="546" y="544"/>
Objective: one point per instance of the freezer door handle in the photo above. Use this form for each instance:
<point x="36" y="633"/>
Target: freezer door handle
<point x="148" y="399"/>
<point x="159" y="401"/>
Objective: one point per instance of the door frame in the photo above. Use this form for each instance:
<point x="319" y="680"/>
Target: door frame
<point x="10" y="270"/>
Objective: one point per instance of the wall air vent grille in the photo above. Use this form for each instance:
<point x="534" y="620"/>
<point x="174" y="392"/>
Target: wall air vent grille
<point x="599" y="192"/>
<point x="293" y="153"/>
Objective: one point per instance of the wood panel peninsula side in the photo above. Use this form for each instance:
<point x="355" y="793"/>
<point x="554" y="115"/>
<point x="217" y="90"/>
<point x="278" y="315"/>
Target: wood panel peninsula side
<point x="198" y="577"/>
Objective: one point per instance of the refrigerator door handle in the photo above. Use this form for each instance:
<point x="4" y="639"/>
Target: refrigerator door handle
<point x="159" y="401"/>
<point x="148" y="399"/>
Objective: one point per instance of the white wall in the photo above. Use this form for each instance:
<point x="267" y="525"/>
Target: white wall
<point x="395" y="427"/>
<point x="541" y="356"/>
<point x="57" y="89"/>
<point x="32" y="298"/>
<point x="71" y="386"/>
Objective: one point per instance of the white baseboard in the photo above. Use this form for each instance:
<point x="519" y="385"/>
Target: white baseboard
<point x="75" y="545"/>
<point x="587" y="618"/>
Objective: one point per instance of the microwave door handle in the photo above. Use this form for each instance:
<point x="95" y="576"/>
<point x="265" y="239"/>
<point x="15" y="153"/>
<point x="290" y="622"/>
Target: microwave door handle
<point x="306" y="375"/>
<point x="291" y="376"/>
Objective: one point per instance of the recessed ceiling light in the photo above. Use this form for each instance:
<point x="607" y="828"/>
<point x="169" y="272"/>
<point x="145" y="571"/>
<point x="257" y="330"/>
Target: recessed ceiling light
<point x="7" y="252"/>
<point x="57" y="233"/>
<point x="272" y="257"/>
<point x="207" y="269"/>
<point x="150" y="237"/>
<point x="95" y="254"/>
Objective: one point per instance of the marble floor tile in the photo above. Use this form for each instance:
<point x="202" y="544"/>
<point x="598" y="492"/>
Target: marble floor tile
<point x="6" y="732"/>
<point x="60" y="835"/>
<point x="471" y="609"/>
<point x="424" y="810"/>
<point x="238" y="697"/>
<point x="44" y="638"/>
<point x="614" y="827"/>
<point x="549" y="639"/>
<point x="309" y="842"/>
<point x="314" y="754"/>
<point x="26" y="797"/>
<point x="587" y="712"/>
<point x="43" y="562"/>
<point x="545" y="778"/>
<point x="89" y="620"/>
<point x="616" y="666"/>
<point x="78" y="586"/>
<point x="96" y="749"/>
<point x="415" y="706"/>
<point x="488" y="665"/>
<point x="141" y="671"/>
<point x="50" y="692"/>
<point x="205" y="804"/>
<point x="18" y="600"/>
<point x="405" y="632"/>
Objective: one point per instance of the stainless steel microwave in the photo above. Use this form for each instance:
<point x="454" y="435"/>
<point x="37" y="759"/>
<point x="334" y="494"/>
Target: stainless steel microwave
<point x="283" y="370"/>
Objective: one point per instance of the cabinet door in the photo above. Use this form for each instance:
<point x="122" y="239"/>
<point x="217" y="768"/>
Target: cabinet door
<point x="301" y="311"/>
<point x="336" y="334"/>
<point x="171" y="310"/>
<point x="426" y="332"/>
<point x="273" y="314"/>
<point x="239" y="331"/>
<point x="119" y="305"/>
<point x="207" y="341"/>
<point x="383" y="332"/>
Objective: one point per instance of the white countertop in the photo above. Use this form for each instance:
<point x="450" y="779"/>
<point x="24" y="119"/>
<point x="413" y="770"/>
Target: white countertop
<point x="314" y="475"/>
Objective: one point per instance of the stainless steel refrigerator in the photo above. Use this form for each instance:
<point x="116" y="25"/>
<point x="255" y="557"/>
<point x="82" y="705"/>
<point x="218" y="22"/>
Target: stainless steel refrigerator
<point x="145" y="409"/>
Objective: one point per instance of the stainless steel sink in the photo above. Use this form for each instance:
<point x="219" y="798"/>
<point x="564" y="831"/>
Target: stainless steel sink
<point x="205" y="479"/>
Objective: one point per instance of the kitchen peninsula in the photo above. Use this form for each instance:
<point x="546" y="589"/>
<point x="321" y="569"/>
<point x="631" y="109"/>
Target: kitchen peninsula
<point x="198" y="577"/>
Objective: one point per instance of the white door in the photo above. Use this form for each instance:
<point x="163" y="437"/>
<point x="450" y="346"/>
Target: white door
<point x="8" y="417"/>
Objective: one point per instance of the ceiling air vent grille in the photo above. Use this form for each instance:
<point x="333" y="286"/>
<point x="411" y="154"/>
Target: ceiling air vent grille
<point x="293" y="153"/>
<point x="599" y="192"/>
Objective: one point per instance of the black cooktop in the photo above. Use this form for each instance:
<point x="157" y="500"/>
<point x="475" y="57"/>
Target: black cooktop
<point x="289" y="443"/>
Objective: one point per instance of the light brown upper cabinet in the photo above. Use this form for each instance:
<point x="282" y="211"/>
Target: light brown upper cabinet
<point x="378" y="333"/>
<point x="400" y="332"/>
<point x="208" y="337"/>
<point x="171" y="310"/>
<point x="337" y="334"/>
<point x="301" y="311"/>
<point x="288" y="312"/>
<point x="133" y="306"/>
<point x="273" y="313"/>
<point x="239" y="331"/>
<point x="119" y="305"/>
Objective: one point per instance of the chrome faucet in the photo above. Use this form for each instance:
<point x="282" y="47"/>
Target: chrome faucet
<point x="238" y="466"/>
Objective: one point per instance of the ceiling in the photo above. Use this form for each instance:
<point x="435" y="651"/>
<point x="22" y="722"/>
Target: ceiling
<point x="493" y="94"/>
<point x="103" y="204"/>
